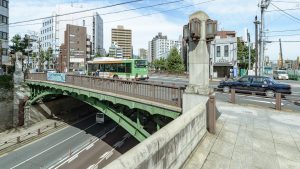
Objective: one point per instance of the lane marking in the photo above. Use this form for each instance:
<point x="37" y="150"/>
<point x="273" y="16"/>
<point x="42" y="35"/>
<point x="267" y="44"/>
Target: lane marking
<point x="52" y="147"/>
<point x="64" y="160"/>
<point x="261" y="101"/>
<point x="72" y="158"/>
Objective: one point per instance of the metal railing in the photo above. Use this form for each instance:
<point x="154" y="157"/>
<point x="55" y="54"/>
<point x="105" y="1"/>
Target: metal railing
<point x="166" y="94"/>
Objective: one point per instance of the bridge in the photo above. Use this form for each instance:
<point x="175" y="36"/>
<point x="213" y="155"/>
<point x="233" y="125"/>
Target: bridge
<point x="115" y="98"/>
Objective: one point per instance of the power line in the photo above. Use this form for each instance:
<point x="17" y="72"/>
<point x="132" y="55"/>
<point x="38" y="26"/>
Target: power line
<point x="108" y="6"/>
<point x="295" y="2"/>
<point x="126" y="11"/>
<point x="290" y="30"/>
<point x="283" y="35"/>
<point x="160" y="11"/>
<point x="289" y="9"/>
<point x="285" y="41"/>
<point x="291" y="16"/>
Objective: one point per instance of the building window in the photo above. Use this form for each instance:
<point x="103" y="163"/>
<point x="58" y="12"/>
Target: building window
<point x="218" y="51"/>
<point x="4" y="19"/>
<point x="226" y="51"/>
<point x="4" y="3"/>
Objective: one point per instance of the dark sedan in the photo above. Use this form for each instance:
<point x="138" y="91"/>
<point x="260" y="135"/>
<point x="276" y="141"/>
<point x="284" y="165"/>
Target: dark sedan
<point x="257" y="84"/>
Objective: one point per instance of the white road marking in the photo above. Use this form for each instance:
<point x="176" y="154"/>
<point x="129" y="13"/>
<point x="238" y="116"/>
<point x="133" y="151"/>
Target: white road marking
<point x="72" y="158"/>
<point x="51" y="147"/>
<point x="262" y="101"/>
<point x="63" y="161"/>
<point x="89" y="146"/>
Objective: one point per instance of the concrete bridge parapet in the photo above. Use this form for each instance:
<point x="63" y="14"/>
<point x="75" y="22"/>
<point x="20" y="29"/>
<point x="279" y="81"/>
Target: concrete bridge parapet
<point x="169" y="147"/>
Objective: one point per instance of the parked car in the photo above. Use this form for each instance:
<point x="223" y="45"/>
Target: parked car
<point x="280" y="75"/>
<point x="258" y="84"/>
<point x="79" y="72"/>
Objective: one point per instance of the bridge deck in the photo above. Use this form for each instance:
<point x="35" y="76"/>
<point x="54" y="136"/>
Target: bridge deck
<point x="155" y="93"/>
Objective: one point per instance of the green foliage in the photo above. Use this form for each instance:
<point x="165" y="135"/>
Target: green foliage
<point x="160" y="64"/>
<point x="242" y="52"/>
<point x="174" y="62"/>
<point x="6" y="82"/>
<point x="19" y="44"/>
<point x="98" y="55"/>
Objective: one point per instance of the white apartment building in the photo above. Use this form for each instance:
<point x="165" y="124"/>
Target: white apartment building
<point x="93" y="22"/>
<point x="223" y="55"/>
<point x="164" y="46"/>
<point x="47" y="34"/>
<point x="160" y="47"/>
<point x="4" y="31"/>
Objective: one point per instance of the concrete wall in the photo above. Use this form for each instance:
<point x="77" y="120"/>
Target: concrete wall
<point x="170" y="146"/>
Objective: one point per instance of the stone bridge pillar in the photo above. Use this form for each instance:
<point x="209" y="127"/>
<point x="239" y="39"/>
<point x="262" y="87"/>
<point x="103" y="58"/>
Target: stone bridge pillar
<point x="198" y="88"/>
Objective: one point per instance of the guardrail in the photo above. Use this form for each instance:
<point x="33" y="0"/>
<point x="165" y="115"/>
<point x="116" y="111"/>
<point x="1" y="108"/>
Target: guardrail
<point x="278" y="97"/>
<point x="166" y="94"/>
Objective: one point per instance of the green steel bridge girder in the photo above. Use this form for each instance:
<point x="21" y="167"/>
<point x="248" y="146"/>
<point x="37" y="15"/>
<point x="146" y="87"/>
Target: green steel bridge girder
<point x="94" y="99"/>
<point x="66" y="90"/>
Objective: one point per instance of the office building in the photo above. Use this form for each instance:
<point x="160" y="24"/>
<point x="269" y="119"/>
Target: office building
<point x="142" y="53"/>
<point x="115" y="50"/>
<point x="4" y="32"/>
<point x="47" y="34"/>
<point x="74" y="50"/>
<point x="97" y="35"/>
<point x="124" y="39"/>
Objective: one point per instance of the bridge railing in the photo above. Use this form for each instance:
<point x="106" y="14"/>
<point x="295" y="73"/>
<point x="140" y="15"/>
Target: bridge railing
<point x="166" y="94"/>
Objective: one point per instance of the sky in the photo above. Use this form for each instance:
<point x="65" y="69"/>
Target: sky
<point x="233" y="15"/>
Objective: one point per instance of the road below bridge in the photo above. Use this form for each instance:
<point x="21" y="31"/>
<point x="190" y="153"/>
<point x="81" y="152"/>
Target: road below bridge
<point x="61" y="145"/>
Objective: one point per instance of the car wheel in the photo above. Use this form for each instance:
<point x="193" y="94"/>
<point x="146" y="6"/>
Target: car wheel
<point x="270" y="93"/>
<point x="115" y="77"/>
<point x="226" y="89"/>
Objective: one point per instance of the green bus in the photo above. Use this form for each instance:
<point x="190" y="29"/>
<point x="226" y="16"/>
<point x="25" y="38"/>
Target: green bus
<point x="127" y="69"/>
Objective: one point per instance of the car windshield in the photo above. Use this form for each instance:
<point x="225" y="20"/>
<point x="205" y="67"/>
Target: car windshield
<point x="272" y="81"/>
<point x="281" y="73"/>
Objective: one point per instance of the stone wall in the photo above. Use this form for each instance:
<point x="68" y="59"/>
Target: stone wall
<point x="6" y="109"/>
<point x="170" y="146"/>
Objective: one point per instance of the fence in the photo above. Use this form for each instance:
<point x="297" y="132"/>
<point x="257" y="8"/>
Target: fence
<point x="294" y="75"/>
<point x="166" y="94"/>
<point x="276" y="100"/>
<point x="28" y="135"/>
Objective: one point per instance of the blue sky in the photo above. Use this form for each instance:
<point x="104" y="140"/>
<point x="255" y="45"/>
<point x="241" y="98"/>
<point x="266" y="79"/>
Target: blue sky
<point x="231" y="15"/>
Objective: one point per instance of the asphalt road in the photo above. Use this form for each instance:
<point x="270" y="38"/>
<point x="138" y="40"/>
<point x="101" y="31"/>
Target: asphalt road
<point x="291" y="103"/>
<point x="101" y="152"/>
<point x="49" y="150"/>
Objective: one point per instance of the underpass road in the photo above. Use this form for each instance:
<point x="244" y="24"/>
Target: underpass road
<point x="102" y="152"/>
<point x="44" y="152"/>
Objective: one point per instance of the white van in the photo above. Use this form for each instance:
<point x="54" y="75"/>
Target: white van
<point x="280" y="75"/>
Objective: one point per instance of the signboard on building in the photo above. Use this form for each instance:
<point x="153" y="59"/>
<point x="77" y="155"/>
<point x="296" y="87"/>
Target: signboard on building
<point x="77" y="60"/>
<point x="56" y="77"/>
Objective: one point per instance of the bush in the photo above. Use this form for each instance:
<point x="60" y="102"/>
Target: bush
<point x="6" y="82"/>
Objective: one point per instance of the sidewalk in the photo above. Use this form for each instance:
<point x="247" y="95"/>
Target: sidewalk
<point x="8" y="138"/>
<point x="249" y="137"/>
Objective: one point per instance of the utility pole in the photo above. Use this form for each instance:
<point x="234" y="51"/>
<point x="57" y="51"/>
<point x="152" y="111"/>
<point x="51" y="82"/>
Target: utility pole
<point x="256" y="22"/>
<point x="249" y="51"/>
<point x="263" y="6"/>
<point x="280" y="60"/>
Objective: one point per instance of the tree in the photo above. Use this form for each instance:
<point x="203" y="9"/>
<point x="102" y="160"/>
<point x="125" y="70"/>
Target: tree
<point x="34" y="56"/>
<point x="242" y="53"/>
<point x="19" y="45"/>
<point x="174" y="62"/>
<point x="49" y="56"/>
<point x="41" y="60"/>
<point x="160" y="64"/>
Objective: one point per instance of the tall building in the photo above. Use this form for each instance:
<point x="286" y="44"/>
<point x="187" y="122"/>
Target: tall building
<point x="4" y="31"/>
<point x="97" y="35"/>
<point x="124" y="39"/>
<point x="143" y="53"/>
<point x="47" y="34"/>
<point x="93" y="22"/>
<point x="161" y="46"/>
<point x="152" y="46"/>
<point x="75" y="47"/>
<point x="115" y="50"/>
